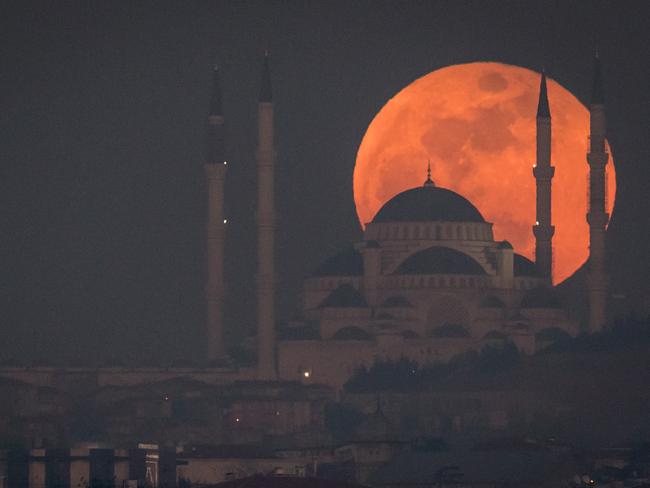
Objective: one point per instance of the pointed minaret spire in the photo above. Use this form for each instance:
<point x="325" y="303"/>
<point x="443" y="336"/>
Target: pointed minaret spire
<point x="215" y="98"/>
<point x="597" y="92"/>
<point x="429" y="182"/>
<point x="543" y="172"/>
<point x="542" y="105"/>
<point x="266" y="94"/>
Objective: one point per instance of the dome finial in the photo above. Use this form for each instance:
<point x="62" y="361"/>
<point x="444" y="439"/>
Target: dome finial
<point x="429" y="182"/>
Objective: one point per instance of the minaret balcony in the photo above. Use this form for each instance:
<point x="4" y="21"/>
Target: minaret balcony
<point x="543" y="232"/>
<point x="543" y="172"/>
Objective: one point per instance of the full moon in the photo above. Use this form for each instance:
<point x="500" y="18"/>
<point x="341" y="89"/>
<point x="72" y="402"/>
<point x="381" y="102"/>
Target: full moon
<point x="476" y="124"/>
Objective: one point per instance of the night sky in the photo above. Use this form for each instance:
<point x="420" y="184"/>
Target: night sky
<point x="102" y="124"/>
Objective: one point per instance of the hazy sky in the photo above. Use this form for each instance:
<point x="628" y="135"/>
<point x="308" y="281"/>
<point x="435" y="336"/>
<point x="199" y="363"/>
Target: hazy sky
<point x="102" y="121"/>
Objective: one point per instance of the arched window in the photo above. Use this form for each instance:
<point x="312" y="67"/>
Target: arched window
<point x="351" y="333"/>
<point x="449" y="331"/>
<point x="447" y="311"/>
<point x="551" y="335"/>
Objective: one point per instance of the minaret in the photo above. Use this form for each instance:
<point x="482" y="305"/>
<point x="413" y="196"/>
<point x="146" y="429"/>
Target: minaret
<point x="215" y="171"/>
<point x="543" y="172"/>
<point x="597" y="216"/>
<point x="266" y="231"/>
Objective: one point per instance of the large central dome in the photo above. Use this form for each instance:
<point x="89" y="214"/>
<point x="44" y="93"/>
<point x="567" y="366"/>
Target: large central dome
<point x="428" y="203"/>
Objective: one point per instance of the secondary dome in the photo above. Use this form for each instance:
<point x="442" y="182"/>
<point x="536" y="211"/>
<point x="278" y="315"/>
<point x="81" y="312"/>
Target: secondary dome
<point x="346" y="263"/>
<point x="439" y="260"/>
<point x="426" y="204"/>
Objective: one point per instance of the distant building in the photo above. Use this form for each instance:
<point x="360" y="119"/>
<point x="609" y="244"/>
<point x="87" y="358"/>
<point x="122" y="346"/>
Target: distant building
<point x="515" y="466"/>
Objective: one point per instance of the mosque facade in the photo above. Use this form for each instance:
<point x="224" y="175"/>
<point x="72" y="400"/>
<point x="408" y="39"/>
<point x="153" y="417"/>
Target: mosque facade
<point x="428" y="281"/>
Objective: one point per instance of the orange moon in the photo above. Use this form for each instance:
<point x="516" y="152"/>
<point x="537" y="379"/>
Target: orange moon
<point x="476" y="123"/>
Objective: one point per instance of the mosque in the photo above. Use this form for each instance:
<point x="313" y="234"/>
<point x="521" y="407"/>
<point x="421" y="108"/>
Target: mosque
<point x="428" y="280"/>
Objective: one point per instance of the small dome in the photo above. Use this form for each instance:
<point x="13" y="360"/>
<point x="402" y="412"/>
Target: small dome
<point x="410" y="334"/>
<point x="346" y="263"/>
<point x="504" y="245"/>
<point x="491" y="301"/>
<point x="428" y="204"/>
<point x="396" y="301"/>
<point x="352" y="333"/>
<point x="552" y="334"/>
<point x="541" y="298"/>
<point x="494" y="335"/>
<point x="302" y="333"/>
<point x="385" y="316"/>
<point x="345" y="296"/>
<point x="450" y="331"/>
<point x="440" y="260"/>
<point x="523" y="266"/>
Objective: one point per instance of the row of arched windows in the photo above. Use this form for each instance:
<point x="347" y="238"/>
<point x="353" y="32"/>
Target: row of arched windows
<point x="432" y="281"/>
<point x="439" y="281"/>
<point x="445" y="231"/>
<point x="330" y="283"/>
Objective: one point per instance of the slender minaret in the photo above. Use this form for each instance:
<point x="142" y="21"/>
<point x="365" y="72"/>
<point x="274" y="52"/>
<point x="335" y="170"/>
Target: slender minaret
<point x="266" y="231"/>
<point x="215" y="171"/>
<point x="543" y="172"/>
<point x="597" y="216"/>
